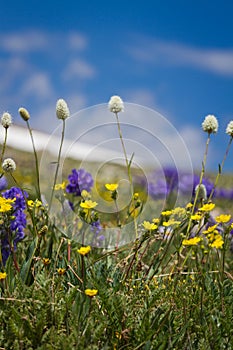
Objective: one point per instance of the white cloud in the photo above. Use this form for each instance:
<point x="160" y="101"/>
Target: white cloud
<point x="77" y="41"/>
<point x="161" y="52"/>
<point x="38" y="85"/>
<point x="24" y="41"/>
<point x="78" y="68"/>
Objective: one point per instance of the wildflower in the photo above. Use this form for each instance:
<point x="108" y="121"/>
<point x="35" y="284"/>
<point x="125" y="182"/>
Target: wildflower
<point x="2" y="275"/>
<point x="155" y="220"/>
<point x="166" y="213"/>
<point x="229" y="129"/>
<point x="210" y="124"/>
<point x="62" y="109"/>
<point x="111" y="187"/>
<point x="191" y="241"/>
<point x="196" y="217"/>
<point x="91" y="292"/>
<point x="207" y="207"/>
<point x="171" y="222"/>
<point x="149" y="226"/>
<point x="24" y="113"/>
<point x="200" y="190"/>
<point x="46" y="261"/>
<point x="35" y="203"/>
<point x="18" y="222"/>
<point x="136" y="196"/>
<point x="223" y="218"/>
<point x="79" y="180"/>
<point x="3" y="183"/>
<point x="217" y="243"/>
<point x="84" y="250"/>
<point x="6" y="120"/>
<point x="88" y="204"/>
<point x="8" y="165"/>
<point x="61" y="186"/>
<point x="211" y="229"/>
<point x="189" y="205"/>
<point x="85" y="194"/>
<point x="61" y="271"/>
<point x="116" y="104"/>
<point x="6" y="204"/>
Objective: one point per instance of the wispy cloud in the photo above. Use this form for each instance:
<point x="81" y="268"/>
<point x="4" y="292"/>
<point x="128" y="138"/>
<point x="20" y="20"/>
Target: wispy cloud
<point x="78" y="68"/>
<point x="160" y="52"/>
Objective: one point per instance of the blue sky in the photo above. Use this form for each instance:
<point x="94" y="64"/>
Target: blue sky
<point x="173" y="56"/>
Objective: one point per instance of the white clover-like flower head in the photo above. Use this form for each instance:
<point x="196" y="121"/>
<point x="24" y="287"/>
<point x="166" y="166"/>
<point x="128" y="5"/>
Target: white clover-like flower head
<point x="6" y="120"/>
<point x="201" y="190"/>
<point x="229" y="129"/>
<point x="210" y="124"/>
<point x="116" y="104"/>
<point x="8" y="165"/>
<point x="62" y="109"/>
<point x="24" y="113"/>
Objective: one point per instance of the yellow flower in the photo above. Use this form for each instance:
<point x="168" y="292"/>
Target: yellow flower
<point x="61" y="271"/>
<point x="3" y="275"/>
<point x="210" y="229"/>
<point x="149" y="226"/>
<point x="166" y="213"/>
<point x="84" y="250"/>
<point x="155" y="220"/>
<point x="223" y="218"/>
<point x="178" y="211"/>
<point x="88" y="204"/>
<point x="46" y="261"/>
<point x="196" y="217"/>
<point x="136" y="196"/>
<point x="35" y="203"/>
<point x="111" y="187"/>
<point x="58" y="187"/>
<point x="218" y="242"/>
<point x="85" y="194"/>
<point x="6" y="204"/>
<point x="189" y="205"/>
<point x="91" y="292"/>
<point x="207" y="207"/>
<point x="191" y="241"/>
<point x="170" y="223"/>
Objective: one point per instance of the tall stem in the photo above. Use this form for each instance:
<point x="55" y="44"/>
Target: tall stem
<point x="36" y="161"/>
<point x="58" y="163"/>
<point x="221" y="167"/>
<point x="200" y="182"/>
<point x="4" y="145"/>
<point x="127" y="166"/>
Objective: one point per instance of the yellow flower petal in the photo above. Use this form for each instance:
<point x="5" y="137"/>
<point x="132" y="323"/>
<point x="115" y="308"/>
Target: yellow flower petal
<point x="91" y="292"/>
<point x="111" y="187"/>
<point x="88" y="204"/>
<point x="84" y="250"/>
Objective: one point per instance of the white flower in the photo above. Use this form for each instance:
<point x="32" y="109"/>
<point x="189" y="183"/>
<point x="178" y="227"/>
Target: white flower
<point x="116" y="104"/>
<point x="229" y="129"/>
<point x="6" y="120"/>
<point x="8" y="165"/>
<point x="24" y="113"/>
<point x="210" y="124"/>
<point x="62" y="109"/>
<point x="201" y="190"/>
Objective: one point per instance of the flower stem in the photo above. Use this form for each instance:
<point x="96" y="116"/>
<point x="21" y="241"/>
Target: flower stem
<point x="221" y="168"/>
<point x="58" y="163"/>
<point x="36" y="160"/>
<point x="4" y="145"/>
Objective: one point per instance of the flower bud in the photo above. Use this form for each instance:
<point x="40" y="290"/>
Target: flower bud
<point x="24" y="113"/>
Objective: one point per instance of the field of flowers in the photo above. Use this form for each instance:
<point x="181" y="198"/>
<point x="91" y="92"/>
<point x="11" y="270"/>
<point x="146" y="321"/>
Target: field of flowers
<point x="146" y="271"/>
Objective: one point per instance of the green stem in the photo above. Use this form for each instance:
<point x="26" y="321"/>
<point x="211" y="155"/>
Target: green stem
<point x="58" y="163"/>
<point x="221" y="167"/>
<point x="200" y="182"/>
<point x="36" y="160"/>
<point x="4" y="145"/>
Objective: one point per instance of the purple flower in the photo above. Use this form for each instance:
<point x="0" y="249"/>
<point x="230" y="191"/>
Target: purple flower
<point x="79" y="180"/>
<point x="3" y="183"/>
<point x="11" y="235"/>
